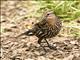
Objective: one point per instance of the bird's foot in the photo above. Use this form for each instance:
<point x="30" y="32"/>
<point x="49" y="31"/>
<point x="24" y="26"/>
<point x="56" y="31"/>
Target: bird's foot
<point x="52" y="47"/>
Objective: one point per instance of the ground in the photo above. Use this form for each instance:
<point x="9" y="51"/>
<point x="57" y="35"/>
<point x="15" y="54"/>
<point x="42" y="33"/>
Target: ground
<point x="14" y="23"/>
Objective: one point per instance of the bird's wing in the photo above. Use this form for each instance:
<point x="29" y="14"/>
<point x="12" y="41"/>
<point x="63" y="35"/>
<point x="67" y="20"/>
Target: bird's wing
<point x="41" y="29"/>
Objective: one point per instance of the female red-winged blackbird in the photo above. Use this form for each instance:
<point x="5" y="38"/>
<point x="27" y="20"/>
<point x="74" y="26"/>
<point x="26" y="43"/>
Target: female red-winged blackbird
<point x="47" y="28"/>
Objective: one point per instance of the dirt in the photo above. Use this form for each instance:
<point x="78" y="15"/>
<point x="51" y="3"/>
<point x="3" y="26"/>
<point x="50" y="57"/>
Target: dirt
<point x="27" y="48"/>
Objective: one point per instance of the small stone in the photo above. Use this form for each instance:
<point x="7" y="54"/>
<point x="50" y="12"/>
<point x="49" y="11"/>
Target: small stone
<point x="69" y="57"/>
<point x="51" y="57"/>
<point x="76" y="58"/>
<point x="41" y="58"/>
<point x="73" y="42"/>
<point x="29" y="59"/>
<point x="37" y="53"/>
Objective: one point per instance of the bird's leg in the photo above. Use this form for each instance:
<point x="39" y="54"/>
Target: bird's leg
<point x="39" y="42"/>
<point x="47" y="42"/>
<point x="51" y="47"/>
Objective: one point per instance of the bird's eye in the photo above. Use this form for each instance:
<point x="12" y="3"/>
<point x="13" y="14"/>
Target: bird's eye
<point x="48" y="14"/>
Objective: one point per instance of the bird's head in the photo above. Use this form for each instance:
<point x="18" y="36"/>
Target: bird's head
<point x="50" y="17"/>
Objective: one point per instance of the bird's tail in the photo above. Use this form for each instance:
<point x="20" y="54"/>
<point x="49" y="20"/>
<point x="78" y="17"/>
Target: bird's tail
<point x="28" y="33"/>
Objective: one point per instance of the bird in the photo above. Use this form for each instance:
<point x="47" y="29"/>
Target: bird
<point x="48" y="27"/>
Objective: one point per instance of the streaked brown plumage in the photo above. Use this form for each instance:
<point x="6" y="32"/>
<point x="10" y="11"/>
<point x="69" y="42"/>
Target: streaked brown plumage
<point x="47" y="28"/>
